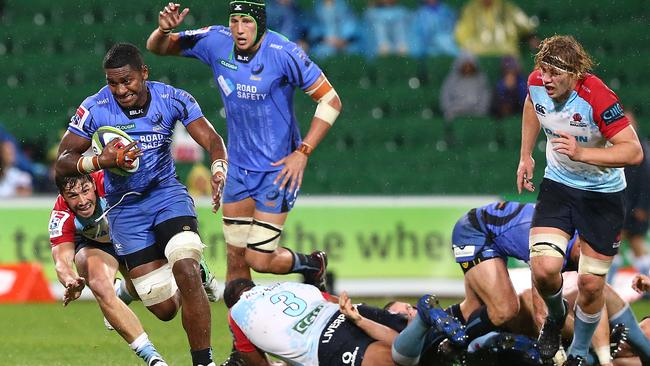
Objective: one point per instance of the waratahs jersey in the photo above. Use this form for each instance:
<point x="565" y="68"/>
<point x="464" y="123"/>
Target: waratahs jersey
<point x="152" y="126"/>
<point x="500" y="229"/>
<point x="257" y="93"/>
<point x="66" y="227"/>
<point x="284" y="319"/>
<point x="593" y="114"/>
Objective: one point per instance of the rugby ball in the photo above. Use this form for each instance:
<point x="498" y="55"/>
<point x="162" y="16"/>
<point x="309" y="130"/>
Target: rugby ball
<point x="106" y="134"/>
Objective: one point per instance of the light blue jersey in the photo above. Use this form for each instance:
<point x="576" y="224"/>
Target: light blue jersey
<point x="152" y="126"/>
<point x="593" y="114"/>
<point x="257" y="93"/>
<point x="285" y="319"/>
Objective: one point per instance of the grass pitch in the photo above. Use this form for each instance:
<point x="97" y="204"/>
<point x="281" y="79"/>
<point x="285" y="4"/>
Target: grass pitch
<point x="52" y="335"/>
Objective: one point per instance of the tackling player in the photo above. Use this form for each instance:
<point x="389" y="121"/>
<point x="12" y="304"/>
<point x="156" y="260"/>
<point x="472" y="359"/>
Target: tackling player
<point x="310" y="329"/>
<point x="257" y="71"/>
<point x="589" y="140"/>
<point x="151" y="216"/>
<point x="78" y="238"/>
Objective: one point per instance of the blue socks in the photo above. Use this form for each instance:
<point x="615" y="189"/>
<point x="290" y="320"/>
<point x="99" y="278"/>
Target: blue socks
<point x="409" y="343"/>
<point x="555" y="305"/>
<point x="123" y="293"/>
<point x="143" y="347"/>
<point x="636" y="338"/>
<point x="583" y="330"/>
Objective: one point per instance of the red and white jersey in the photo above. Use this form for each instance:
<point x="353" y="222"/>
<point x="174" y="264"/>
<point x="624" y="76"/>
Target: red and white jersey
<point x="284" y="319"/>
<point x="66" y="227"/>
<point x="593" y="114"/>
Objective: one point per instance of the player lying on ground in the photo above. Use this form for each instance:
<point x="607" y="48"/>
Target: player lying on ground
<point x="153" y="222"/>
<point x="78" y="240"/>
<point x="309" y="328"/>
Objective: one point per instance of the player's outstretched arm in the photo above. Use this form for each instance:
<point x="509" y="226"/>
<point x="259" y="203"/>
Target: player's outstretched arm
<point x="63" y="256"/>
<point x="162" y="41"/>
<point x="205" y="135"/>
<point x="328" y="109"/>
<point x="375" y="330"/>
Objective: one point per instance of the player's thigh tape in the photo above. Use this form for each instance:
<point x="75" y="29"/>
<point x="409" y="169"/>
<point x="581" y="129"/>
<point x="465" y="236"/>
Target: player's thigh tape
<point x="236" y="230"/>
<point x="549" y="245"/>
<point x="589" y="265"/>
<point x="186" y="244"/>
<point x="264" y="236"/>
<point x="156" y="286"/>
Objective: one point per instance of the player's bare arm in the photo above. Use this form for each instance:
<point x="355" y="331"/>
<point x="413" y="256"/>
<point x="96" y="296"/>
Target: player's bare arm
<point x="329" y="107"/>
<point x="626" y="149"/>
<point x="375" y="330"/>
<point x="530" y="128"/>
<point x="63" y="255"/>
<point x="204" y="134"/>
<point x="71" y="162"/>
<point x="162" y="41"/>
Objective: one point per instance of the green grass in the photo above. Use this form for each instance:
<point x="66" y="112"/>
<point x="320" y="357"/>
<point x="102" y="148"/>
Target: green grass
<point x="75" y="336"/>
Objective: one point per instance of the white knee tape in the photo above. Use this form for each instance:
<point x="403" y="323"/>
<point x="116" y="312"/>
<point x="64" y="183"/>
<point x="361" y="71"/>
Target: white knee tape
<point x="236" y="230"/>
<point x="264" y="236"/>
<point x="156" y="286"/>
<point x="549" y="245"/>
<point x="589" y="265"/>
<point x="186" y="244"/>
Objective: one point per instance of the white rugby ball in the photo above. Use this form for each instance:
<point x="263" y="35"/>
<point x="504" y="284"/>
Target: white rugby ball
<point x="106" y="134"/>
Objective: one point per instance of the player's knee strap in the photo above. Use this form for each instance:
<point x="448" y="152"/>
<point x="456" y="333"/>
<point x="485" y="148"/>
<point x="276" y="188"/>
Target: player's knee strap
<point x="156" y="286"/>
<point x="549" y="245"/>
<point x="186" y="244"/>
<point x="594" y="266"/>
<point x="264" y="236"/>
<point x="236" y="230"/>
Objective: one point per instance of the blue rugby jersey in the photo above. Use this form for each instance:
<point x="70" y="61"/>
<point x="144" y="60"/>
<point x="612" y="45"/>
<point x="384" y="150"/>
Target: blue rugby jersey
<point x="152" y="126"/>
<point x="257" y="95"/>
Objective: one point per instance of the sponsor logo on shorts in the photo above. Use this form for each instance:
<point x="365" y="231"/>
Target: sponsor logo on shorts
<point x="612" y="114"/>
<point x="464" y="251"/>
<point x="350" y="358"/>
<point x="329" y="332"/>
<point x="308" y="320"/>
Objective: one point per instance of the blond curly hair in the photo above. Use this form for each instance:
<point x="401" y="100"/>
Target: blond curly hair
<point x="565" y="54"/>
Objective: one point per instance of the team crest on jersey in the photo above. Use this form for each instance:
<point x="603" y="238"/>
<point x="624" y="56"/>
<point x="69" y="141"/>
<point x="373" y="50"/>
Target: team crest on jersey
<point x="57" y="219"/>
<point x="79" y="118"/>
<point x="576" y="121"/>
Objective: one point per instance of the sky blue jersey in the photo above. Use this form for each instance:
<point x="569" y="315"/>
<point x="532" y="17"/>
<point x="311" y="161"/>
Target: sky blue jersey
<point x="152" y="126"/>
<point x="257" y="93"/>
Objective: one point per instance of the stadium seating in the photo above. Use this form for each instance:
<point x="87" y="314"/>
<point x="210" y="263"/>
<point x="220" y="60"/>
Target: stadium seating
<point x="387" y="140"/>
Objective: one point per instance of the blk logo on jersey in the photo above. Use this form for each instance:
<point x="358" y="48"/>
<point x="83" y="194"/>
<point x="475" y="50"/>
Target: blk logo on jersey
<point x="540" y="109"/>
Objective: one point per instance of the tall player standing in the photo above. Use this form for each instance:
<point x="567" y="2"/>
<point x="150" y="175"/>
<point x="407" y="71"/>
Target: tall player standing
<point x="257" y="71"/>
<point x="151" y="216"/>
<point x="589" y="140"/>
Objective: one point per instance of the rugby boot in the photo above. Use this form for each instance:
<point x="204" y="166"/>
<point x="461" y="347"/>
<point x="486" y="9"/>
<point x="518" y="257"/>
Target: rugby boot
<point x="157" y="361"/>
<point x="527" y="349"/>
<point x="575" y="361"/>
<point x="617" y="338"/>
<point x="550" y="336"/>
<point x="234" y="359"/>
<point x="318" y="278"/>
<point x="432" y="314"/>
<point x="210" y="283"/>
